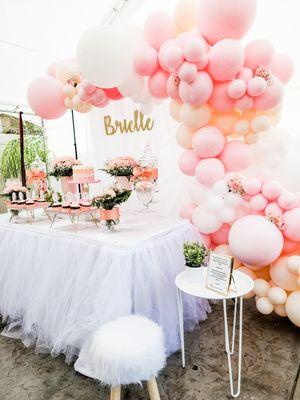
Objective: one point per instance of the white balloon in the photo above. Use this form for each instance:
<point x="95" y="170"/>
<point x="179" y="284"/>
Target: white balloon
<point x="220" y="188"/>
<point x="195" y="117"/>
<point x="261" y="287"/>
<point x="260" y="123"/>
<point x="215" y="203"/>
<point x="279" y="309"/>
<point x="104" y="55"/>
<point x="133" y="85"/>
<point x="205" y="221"/>
<point x="292" y="307"/>
<point x="227" y="215"/>
<point x="293" y="264"/>
<point x="242" y="127"/>
<point x="277" y="295"/>
<point x="264" y="305"/>
<point x="198" y="193"/>
<point x="232" y="200"/>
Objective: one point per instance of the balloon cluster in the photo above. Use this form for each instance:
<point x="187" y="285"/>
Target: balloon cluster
<point x="227" y="99"/>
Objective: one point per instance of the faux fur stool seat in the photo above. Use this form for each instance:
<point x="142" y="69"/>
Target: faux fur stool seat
<point x="127" y="350"/>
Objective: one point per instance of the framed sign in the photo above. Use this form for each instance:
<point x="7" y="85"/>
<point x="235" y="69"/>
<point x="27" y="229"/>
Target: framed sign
<point x="219" y="272"/>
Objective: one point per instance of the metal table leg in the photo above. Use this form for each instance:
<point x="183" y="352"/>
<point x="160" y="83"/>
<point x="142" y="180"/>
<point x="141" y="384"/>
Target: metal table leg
<point x="181" y="325"/>
<point x="230" y="351"/>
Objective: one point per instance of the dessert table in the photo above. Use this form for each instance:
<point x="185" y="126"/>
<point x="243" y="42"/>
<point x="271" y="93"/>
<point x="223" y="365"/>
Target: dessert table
<point x="57" y="287"/>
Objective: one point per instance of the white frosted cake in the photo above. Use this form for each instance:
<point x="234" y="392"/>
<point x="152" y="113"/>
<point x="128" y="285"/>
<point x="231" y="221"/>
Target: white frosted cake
<point x="83" y="173"/>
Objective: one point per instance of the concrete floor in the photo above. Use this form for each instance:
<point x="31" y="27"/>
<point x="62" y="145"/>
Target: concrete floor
<point x="271" y="355"/>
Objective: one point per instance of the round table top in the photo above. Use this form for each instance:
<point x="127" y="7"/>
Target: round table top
<point x="244" y="284"/>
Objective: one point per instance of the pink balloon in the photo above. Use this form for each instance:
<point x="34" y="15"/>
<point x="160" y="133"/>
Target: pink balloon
<point x="203" y="63"/>
<point x="158" y="28"/>
<point x="209" y="171"/>
<point x="173" y="88"/>
<point x="87" y="86"/>
<point x="187" y="210"/>
<point x="187" y="72"/>
<point x="221" y="236"/>
<point x="145" y="60"/>
<point x="226" y="58"/>
<point x="237" y="89"/>
<point x="161" y="52"/>
<point x="256" y="86"/>
<point x="83" y="94"/>
<point x="173" y="57"/>
<point x="258" y="52"/>
<point x="255" y="241"/>
<point x="208" y="142"/>
<point x="245" y="103"/>
<point x="283" y="67"/>
<point x="45" y="97"/>
<point x="287" y="200"/>
<point x="188" y="162"/>
<point x="219" y="99"/>
<point x="113" y="93"/>
<point x="271" y="189"/>
<point x="258" y="202"/>
<point x="51" y="69"/>
<point x="289" y="246"/>
<point x="236" y="156"/>
<point x="197" y="92"/>
<point x="272" y="96"/>
<point x="291" y="220"/>
<point x="245" y="74"/>
<point x="252" y="186"/>
<point x="264" y="176"/>
<point x="282" y="277"/>
<point x="157" y="84"/>
<point x="219" y="19"/>
<point x="273" y="209"/>
<point x="206" y="239"/>
<point x="98" y="97"/>
<point x="194" y="50"/>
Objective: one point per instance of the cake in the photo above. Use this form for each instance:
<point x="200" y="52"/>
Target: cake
<point x="83" y="173"/>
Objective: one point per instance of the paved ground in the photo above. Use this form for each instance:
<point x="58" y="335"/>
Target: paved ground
<point x="271" y="355"/>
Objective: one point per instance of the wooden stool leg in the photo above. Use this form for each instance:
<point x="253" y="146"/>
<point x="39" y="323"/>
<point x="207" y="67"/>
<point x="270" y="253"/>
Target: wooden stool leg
<point x="115" y="393"/>
<point x="153" y="389"/>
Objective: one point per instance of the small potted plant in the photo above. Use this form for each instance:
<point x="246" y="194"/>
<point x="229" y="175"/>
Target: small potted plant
<point x="122" y="169"/>
<point x="107" y="203"/>
<point x="62" y="168"/>
<point x="195" y="255"/>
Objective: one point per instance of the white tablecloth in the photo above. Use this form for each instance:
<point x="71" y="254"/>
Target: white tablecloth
<point x="56" y="287"/>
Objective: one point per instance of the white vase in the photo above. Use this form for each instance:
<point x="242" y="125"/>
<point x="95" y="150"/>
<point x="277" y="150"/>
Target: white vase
<point x="193" y="274"/>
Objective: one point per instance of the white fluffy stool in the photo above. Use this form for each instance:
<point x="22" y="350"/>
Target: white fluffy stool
<point x="127" y="350"/>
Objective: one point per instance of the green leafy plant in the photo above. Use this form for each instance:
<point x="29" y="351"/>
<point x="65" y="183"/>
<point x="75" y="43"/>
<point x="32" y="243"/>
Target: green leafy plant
<point x="195" y="254"/>
<point x="10" y="163"/>
<point x="111" y="198"/>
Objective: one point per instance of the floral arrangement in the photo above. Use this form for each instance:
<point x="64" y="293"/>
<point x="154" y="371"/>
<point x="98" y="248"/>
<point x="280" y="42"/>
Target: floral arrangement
<point x="144" y="185"/>
<point x="195" y="254"/>
<point x="111" y="197"/>
<point x="63" y="166"/>
<point x="235" y="185"/>
<point x="276" y="220"/>
<point x="13" y="186"/>
<point x="121" y="166"/>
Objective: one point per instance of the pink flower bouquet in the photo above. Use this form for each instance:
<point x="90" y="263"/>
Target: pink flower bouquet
<point x="63" y="166"/>
<point x="121" y="166"/>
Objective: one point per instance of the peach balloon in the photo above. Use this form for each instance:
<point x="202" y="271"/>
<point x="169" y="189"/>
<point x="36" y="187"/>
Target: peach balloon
<point x="209" y="170"/>
<point x="184" y="136"/>
<point x="262" y="272"/>
<point x="219" y="99"/>
<point x="279" y="309"/>
<point x="244" y="103"/>
<point x="185" y="14"/>
<point x="261" y="287"/>
<point x="277" y="295"/>
<point x="264" y="306"/>
<point x="236" y="156"/>
<point x="226" y="121"/>
<point x="282" y="276"/>
<point x="242" y="127"/>
<point x="175" y="109"/>
<point x="292" y="307"/>
<point x="195" y="117"/>
<point x="219" y="19"/>
<point x="226" y="58"/>
<point x="293" y="264"/>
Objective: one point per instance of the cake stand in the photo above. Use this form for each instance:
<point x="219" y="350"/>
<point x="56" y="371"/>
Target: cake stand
<point x="73" y="215"/>
<point x="28" y="208"/>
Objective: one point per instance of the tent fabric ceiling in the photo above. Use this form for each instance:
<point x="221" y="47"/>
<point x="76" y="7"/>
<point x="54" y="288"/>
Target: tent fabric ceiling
<point x="52" y="29"/>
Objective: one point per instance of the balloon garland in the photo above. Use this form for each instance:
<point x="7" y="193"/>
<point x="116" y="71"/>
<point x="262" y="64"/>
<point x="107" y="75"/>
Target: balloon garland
<point x="227" y="99"/>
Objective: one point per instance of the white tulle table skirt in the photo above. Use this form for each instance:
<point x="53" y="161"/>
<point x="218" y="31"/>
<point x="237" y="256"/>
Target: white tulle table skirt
<point x="57" y="287"/>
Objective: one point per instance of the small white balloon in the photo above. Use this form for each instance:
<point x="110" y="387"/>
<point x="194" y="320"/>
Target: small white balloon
<point x="69" y="90"/>
<point x="132" y="85"/>
<point x="198" y="193"/>
<point x="242" y="127"/>
<point x="260" y="123"/>
<point x="293" y="264"/>
<point x="264" y="305"/>
<point x="220" y="188"/>
<point x="277" y="295"/>
<point x="280" y="310"/>
<point x="215" y="203"/>
<point x="227" y="215"/>
<point x="232" y="200"/>
<point x="205" y="221"/>
<point x="261" y="287"/>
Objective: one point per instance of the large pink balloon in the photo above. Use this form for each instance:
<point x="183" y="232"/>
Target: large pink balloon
<point x="219" y="99"/>
<point x="197" y="92"/>
<point x="158" y="28"/>
<point x="258" y="52"/>
<point x="188" y="162"/>
<point x="220" y="19"/>
<point x="209" y="171"/>
<point x="226" y="59"/>
<point x="282" y="277"/>
<point x="157" y="84"/>
<point x="255" y="241"/>
<point x="283" y="67"/>
<point x="271" y="97"/>
<point x="208" y="142"/>
<point x="145" y="60"/>
<point x="45" y="97"/>
<point x="236" y="156"/>
<point x="291" y="220"/>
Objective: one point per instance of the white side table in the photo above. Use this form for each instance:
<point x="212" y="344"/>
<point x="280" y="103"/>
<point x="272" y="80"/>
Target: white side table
<point x="244" y="285"/>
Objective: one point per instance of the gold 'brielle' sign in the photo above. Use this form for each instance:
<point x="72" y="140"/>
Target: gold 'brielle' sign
<point x="139" y="123"/>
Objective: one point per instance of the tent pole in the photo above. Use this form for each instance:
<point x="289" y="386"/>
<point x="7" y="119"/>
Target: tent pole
<point x="21" y="133"/>
<point x="74" y="135"/>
